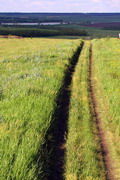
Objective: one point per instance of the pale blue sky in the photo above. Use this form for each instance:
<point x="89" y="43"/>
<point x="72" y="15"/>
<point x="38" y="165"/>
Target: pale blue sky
<point x="59" y="5"/>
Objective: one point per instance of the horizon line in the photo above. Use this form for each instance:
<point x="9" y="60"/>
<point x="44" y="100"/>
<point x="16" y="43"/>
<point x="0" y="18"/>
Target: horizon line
<point x="63" y="12"/>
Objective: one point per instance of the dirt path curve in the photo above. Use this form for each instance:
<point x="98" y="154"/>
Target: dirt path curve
<point x="110" y="175"/>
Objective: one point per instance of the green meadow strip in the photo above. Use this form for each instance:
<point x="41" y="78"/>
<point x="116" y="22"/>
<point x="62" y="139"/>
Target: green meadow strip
<point x="31" y="75"/>
<point x="83" y="156"/>
<point x="106" y="77"/>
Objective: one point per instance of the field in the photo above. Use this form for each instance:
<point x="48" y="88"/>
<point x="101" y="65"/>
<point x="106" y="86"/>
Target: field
<point x="94" y="32"/>
<point x="70" y="31"/>
<point x="59" y="109"/>
<point x="72" y="25"/>
<point x="41" y="32"/>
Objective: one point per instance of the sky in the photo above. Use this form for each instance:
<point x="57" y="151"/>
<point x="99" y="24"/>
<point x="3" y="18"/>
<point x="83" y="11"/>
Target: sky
<point x="60" y="6"/>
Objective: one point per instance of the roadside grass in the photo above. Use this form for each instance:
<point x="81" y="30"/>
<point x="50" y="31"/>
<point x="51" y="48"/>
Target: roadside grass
<point x="83" y="153"/>
<point x="31" y="75"/>
<point x="106" y="78"/>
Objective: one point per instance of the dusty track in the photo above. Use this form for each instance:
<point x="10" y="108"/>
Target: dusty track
<point x="110" y="175"/>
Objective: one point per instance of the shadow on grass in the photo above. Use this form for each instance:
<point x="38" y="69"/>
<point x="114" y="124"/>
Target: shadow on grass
<point x="51" y="156"/>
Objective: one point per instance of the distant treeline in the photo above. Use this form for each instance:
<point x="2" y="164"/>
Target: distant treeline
<point x="12" y="14"/>
<point x="27" y="20"/>
<point x="32" y="32"/>
<point x="64" y="17"/>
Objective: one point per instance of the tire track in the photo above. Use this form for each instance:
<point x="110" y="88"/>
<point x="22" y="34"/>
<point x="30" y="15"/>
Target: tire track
<point x="110" y="175"/>
<point x="52" y="154"/>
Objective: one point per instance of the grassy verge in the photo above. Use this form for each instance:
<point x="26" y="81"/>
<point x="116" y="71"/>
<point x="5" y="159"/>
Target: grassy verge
<point x="106" y="76"/>
<point x="31" y="75"/>
<point x="83" y="158"/>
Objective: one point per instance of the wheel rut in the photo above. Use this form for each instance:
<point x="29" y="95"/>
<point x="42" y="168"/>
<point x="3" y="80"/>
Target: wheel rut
<point x="52" y="154"/>
<point x="109" y="171"/>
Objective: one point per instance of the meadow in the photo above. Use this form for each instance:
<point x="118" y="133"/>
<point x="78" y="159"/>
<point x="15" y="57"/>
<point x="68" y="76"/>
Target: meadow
<point x="83" y="157"/>
<point x="92" y="32"/>
<point x="59" y="109"/>
<point x="31" y="75"/>
<point x="92" y="147"/>
<point x="106" y="74"/>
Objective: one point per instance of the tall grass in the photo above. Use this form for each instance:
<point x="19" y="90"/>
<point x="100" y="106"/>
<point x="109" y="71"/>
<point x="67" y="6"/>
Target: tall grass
<point x="83" y="156"/>
<point x="31" y="74"/>
<point x="106" y="77"/>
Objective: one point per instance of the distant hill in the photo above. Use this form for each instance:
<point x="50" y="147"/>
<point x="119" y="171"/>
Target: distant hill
<point x="65" y="17"/>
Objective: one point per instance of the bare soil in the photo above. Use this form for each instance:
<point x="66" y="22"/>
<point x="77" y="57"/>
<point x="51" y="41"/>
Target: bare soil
<point x="10" y="37"/>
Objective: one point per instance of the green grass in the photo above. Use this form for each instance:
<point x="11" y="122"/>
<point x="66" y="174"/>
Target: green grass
<point x="106" y="77"/>
<point x="98" y="33"/>
<point x="83" y="158"/>
<point x="31" y="74"/>
<point x="68" y="37"/>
